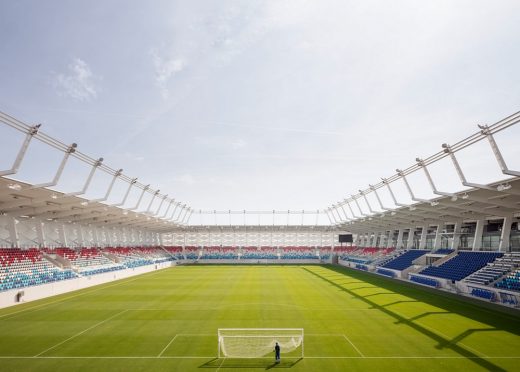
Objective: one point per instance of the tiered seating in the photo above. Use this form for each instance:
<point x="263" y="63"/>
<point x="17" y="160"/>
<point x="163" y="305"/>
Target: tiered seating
<point x="86" y="261"/>
<point x="175" y="252"/>
<point x="128" y="257"/>
<point x="67" y="253"/>
<point x="493" y="271"/>
<point x="90" y="261"/>
<point x="298" y="253"/>
<point x="461" y="265"/>
<point x="220" y="253"/>
<point x="405" y="260"/>
<point x="325" y="252"/>
<point x="344" y="250"/>
<point x="511" y="282"/>
<point x="191" y="253"/>
<point x="23" y="268"/>
<point x="264" y="253"/>
<point x="156" y="254"/>
<point x="366" y="255"/>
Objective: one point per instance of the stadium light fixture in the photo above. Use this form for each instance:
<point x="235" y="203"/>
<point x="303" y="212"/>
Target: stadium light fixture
<point x="503" y="187"/>
<point x="14" y="186"/>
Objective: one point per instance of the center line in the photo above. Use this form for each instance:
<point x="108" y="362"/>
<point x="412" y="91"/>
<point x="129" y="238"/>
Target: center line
<point x="166" y="347"/>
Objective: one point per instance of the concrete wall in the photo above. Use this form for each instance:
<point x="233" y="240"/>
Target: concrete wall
<point x="8" y="298"/>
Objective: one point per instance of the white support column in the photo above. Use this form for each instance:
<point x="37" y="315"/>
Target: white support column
<point x="13" y="232"/>
<point x="390" y="241"/>
<point x="411" y="236"/>
<point x="438" y="237"/>
<point x="62" y="235"/>
<point x="81" y="236"/>
<point x="422" y="242"/>
<point x="479" y="230"/>
<point x="456" y="235"/>
<point x="399" y="243"/>
<point x="40" y="233"/>
<point x="506" y="232"/>
<point x="95" y="235"/>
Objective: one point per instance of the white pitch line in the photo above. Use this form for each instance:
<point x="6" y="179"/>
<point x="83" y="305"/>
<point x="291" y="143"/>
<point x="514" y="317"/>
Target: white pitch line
<point x="166" y="347"/>
<point x="213" y="357"/>
<point x="354" y="346"/>
<point x="221" y="364"/>
<point x="80" y="333"/>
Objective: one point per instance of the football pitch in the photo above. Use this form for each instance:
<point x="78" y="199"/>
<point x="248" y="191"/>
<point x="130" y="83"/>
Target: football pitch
<point x="167" y="320"/>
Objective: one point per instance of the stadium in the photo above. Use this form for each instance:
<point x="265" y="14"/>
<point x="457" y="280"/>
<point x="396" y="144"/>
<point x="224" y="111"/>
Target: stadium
<point x="239" y="186"/>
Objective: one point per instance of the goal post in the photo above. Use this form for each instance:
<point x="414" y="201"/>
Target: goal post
<point x="259" y="342"/>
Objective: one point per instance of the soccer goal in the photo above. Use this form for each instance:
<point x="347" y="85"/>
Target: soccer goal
<point x="259" y="342"/>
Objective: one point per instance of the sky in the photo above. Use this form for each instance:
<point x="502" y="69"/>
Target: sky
<point x="260" y="105"/>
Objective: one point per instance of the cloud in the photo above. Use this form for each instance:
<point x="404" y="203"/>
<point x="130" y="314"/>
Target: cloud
<point x="78" y="82"/>
<point x="165" y="69"/>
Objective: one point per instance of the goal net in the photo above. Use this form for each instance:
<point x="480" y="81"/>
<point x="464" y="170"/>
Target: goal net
<point x="259" y="342"/>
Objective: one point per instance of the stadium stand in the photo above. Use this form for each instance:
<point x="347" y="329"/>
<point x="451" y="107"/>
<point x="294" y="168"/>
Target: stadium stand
<point x="298" y="253"/>
<point x="191" y="253"/>
<point x="367" y="255"/>
<point x="220" y="253"/>
<point x="405" y="260"/>
<point x="86" y="261"/>
<point x="129" y="257"/>
<point x="23" y="268"/>
<point x="264" y="253"/>
<point x="495" y="270"/>
<point x="176" y="252"/>
<point x="461" y="265"/>
<point x="156" y="254"/>
<point x="511" y="282"/>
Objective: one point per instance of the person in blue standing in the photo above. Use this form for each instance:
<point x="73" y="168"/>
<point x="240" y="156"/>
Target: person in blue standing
<point x="277" y="353"/>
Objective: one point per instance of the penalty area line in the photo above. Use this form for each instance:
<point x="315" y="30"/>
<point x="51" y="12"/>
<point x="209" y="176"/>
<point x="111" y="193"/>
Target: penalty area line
<point x="79" y="333"/>
<point x="354" y="346"/>
<point x="167" y="346"/>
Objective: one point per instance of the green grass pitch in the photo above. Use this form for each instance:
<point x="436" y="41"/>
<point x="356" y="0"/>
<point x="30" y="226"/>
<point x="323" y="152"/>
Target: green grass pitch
<point x="167" y="321"/>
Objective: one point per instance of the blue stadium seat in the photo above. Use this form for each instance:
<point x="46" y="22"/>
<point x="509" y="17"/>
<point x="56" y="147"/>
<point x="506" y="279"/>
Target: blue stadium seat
<point x="405" y="260"/>
<point x="461" y="265"/>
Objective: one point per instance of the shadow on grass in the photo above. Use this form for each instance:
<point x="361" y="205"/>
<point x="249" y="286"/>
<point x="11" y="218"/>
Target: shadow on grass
<point x="490" y="314"/>
<point x="442" y="342"/>
<point x="262" y="363"/>
<point x="424" y="315"/>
